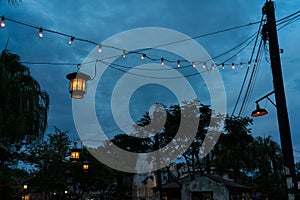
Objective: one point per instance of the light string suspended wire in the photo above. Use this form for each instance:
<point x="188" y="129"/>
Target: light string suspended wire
<point x="256" y="64"/>
<point x="248" y="68"/>
<point x="114" y="65"/>
<point x="100" y="46"/>
<point x="73" y="38"/>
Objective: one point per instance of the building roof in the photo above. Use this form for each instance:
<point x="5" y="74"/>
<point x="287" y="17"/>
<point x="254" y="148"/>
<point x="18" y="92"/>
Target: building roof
<point x="186" y="180"/>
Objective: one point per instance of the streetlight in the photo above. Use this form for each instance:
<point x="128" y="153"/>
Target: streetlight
<point x="261" y="111"/>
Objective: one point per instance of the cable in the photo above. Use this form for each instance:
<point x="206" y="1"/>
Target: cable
<point x="250" y="80"/>
<point x="289" y="22"/>
<point x="257" y="61"/>
<point x="48" y="63"/>
<point x="95" y="43"/>
<point x="251" y="38"/>
<point x="246" y="75"/>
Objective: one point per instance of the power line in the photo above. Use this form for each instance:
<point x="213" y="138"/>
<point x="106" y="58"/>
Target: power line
<point x="251" y="78"/>
<point x="249" y="63"/>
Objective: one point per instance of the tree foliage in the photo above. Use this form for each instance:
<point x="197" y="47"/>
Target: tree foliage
<point x="23" y="105"/>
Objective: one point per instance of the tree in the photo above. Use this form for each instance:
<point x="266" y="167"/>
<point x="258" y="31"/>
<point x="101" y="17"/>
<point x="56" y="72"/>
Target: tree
<point x="13" y="2"/>
<point x="23" y="105"/>
<point x="50" y="164"/>
<point x="269" y="173"/>
<point x="233" y="151"/>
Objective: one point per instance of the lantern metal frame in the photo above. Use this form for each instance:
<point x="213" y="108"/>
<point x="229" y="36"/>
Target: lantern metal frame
<point x="78" y="81"/>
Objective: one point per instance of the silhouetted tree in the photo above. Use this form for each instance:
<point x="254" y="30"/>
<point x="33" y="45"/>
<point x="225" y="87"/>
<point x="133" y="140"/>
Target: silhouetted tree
<point x="23" y="105"/>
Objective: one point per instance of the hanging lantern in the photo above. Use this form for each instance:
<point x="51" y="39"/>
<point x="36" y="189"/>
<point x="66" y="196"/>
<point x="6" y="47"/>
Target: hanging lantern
<point x="75" y="155"/>
<point x="85" y="166"/>
<point x="78" y="84"/>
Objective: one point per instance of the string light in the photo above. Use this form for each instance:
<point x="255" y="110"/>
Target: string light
<point x="232" y="66"/>
<point x="162" y="61"/>
<point x="178" y="63"/>
<point x="71" y="40"/>
<point x="40" y="32"/>
<point x="143" y="56"/>
<point x="193" y="64"/>
<point x="100" y="48"/>
<point x="3" y="22"/>
<point x="212" y="66"/>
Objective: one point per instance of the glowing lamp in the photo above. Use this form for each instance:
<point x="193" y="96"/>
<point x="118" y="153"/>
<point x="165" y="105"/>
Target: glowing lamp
<point x="75" y="155"/>
<point x="259" y="111"/>
<point x="78" y="84"/>
<point x="85" y="166"/>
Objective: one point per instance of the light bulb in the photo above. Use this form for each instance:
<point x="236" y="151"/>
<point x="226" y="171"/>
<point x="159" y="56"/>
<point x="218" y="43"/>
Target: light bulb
<point x="212" y="66"/>
<point x="3" y="22"/>
<point x="249" y="64"/>
<point x="193" y="64"/>
<point x="124" y="54"/>
<point x="41" y="32"/>
<point x="232" y="66"/>
<point x="223" y="66"/>
<point x="162" y="61"/>
<point x="71" y="40"/>
<point x="241" y="65"/>
<point x="204" y="65"/>
<point x="143" y="56"/>
<point x="178" y="63"/>
<point x="100" y="48"/>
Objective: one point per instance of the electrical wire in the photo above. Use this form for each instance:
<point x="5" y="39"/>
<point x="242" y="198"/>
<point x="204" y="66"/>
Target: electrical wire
<point x="250" y="80"/>
<point x="248" y="68"/>
<point x="258" y="61"/>
<point x="95" y="43"/>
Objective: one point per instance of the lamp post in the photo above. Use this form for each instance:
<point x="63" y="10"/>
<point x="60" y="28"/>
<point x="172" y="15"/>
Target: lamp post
<point x="270" y="31"/>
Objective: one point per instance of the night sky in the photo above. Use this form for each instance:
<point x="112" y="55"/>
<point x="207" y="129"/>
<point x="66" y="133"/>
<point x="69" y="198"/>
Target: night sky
<point x="99" y="20"/>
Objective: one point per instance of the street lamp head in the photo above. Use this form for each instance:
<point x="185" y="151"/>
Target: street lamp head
<point x="259" y="111"/>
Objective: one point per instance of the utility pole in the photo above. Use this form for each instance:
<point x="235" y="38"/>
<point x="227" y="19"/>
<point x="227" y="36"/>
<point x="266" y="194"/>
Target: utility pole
<point x="282" y="114"/>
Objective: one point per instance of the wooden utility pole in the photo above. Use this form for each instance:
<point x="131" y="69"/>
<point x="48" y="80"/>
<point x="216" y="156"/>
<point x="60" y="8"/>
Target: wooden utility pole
<point x="282" y="114"/>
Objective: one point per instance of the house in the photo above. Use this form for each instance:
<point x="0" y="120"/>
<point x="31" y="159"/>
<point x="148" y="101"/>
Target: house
<point x="205" y="187"/>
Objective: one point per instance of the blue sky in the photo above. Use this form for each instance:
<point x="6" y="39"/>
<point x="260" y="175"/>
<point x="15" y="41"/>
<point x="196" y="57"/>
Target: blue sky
<point x="99" y="20"/>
